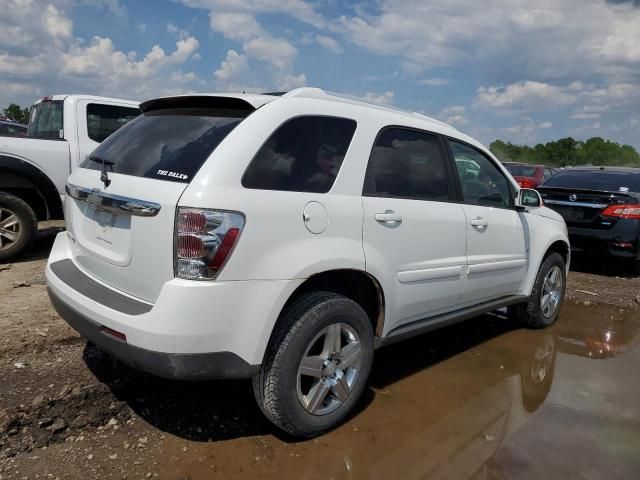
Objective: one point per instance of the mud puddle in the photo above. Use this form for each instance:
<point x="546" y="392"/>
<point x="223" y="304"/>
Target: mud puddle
<point x="482" y="399"/>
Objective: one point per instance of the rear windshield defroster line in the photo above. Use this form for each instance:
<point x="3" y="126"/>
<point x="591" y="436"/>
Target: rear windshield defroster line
<point x="168" y="144"/>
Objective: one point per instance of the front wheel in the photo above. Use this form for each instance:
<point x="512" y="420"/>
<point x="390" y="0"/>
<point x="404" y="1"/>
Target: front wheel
<point x="547" y="295"/>
<point x="316" y="365"/>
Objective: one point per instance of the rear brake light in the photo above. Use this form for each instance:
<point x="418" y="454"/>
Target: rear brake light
<point x="204" y="241"/>
<point x="526" y="183"/>
<point x="622" y="211"/>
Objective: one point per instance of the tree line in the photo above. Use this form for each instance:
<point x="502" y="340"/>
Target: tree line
<point x="16" y="113"/>
<point x="567" y="152"/>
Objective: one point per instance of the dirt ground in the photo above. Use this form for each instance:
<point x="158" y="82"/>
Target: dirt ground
<point x="484" y="399"/>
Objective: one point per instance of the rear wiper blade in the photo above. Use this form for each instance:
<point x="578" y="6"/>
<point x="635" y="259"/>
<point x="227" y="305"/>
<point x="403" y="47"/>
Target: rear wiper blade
<point x="104" y="177"/>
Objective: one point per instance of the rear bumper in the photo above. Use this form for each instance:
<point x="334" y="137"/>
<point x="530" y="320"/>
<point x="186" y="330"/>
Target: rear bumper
<point x="181" y="366"/>
<point x="194" y="330"/>
<point x="622" y="240"/>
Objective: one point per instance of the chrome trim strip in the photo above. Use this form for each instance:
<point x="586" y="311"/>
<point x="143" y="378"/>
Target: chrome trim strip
<point x="575" y="204"/>
<point x="113" y="203"/>
<point x="438" y="273"/>
<point x="496" y="266"/>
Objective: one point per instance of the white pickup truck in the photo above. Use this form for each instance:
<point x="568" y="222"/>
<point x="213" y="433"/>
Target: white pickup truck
<point x="63" y="130"/>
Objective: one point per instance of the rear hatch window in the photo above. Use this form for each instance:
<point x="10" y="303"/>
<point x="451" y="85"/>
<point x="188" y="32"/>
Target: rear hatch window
<point x="609" y="181"/>
<point x="165" y="144"/>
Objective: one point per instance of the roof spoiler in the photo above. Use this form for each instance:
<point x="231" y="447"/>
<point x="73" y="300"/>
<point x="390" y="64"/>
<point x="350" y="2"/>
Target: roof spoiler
<point x="197" y="101"/>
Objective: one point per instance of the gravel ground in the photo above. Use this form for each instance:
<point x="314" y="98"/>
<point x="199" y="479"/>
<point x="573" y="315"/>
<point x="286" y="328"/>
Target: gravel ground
<point x="69" y="411"/>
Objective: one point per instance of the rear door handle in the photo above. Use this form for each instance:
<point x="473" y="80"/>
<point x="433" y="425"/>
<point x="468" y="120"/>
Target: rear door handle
<point x="389" y="217"/>
<point x="479" y="222"/>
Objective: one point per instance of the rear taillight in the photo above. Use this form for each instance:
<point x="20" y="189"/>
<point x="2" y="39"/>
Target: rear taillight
<point x="204" y="241"/>
<point x="622" y="211"/>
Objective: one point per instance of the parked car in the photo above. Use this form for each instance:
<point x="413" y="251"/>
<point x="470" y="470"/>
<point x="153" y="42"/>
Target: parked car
<point x="529" y="176"/>
<point x="285" y="238"/>
<point x="63" y="129"/>
<point x="12" y="129"/>
<point x="601" y="206"/>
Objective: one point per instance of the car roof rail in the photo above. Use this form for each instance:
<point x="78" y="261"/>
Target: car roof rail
<point x="318" y="93"/>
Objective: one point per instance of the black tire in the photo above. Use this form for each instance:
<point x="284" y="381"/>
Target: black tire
<point x="28" y="226"/>
<point x="530" y="313"/>
<point x="276" y="387"/>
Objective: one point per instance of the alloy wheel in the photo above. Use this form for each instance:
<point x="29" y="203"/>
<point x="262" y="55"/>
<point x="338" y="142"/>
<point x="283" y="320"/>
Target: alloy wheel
<point x="10" y="228"/>
<point x="329" y="369"/>
<point x="551" y="293"/>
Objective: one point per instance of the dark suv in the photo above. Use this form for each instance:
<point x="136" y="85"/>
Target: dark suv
<point x="601" y="207"/>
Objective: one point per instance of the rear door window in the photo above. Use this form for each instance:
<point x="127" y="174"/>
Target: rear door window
<point x="407" y="164"/>
<point x="168" y="144"/>
<point x="303" y="155"/>
<point x="103" y="120"/>
<point x="45" y="121"/>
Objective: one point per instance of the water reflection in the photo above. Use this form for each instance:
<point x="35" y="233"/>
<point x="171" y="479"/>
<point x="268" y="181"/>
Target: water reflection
<point x="461" y="414"/>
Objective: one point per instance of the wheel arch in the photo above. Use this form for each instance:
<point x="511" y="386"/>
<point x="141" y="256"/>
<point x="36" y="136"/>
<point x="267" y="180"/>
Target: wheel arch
<point x="556" y="244"/>
<point x="357" y="285"/>
<point x="29" y="183"/>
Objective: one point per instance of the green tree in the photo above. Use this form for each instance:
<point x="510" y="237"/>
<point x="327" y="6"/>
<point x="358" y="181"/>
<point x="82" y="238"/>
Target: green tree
<point x="17" y="114"/>
<point x="568" y="151"/>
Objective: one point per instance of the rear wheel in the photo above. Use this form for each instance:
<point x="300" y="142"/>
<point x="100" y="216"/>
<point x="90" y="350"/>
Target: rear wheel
<point x="547" y="295"/>
<point x="316" y="365"/>
<point x="18" y="226"/>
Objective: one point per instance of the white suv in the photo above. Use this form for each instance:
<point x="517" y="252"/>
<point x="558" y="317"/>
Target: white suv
<point x="285" y="238"/>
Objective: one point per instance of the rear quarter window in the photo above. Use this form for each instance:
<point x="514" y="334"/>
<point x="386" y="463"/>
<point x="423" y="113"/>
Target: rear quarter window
<point x="303" y="155"/>
<point x="103" y="120"/>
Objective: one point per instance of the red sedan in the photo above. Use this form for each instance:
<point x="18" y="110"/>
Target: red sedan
<point x="529" y="176"/>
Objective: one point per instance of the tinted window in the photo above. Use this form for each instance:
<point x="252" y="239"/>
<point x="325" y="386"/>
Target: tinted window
<point x="103" y="120"/>
<point x="611" y="181"/>
<point x="406" y="164"/>
<point x="170" y="144"/>
<point x="548" y="173"/>
<point x="521" y="170"/>
<point x="484" y="186"/>
<point x="303" y="155"/>
<point x="45" y="120"/>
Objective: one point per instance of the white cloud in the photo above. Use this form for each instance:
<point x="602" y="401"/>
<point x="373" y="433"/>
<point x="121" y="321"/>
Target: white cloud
<point x="454" y="115"/>
<point x="545" y="125"/>
<point x="177" y="32"/>
<point x="56" y="24"/>
<point x="434" y="82"/>
<point x="276" y="51"/>
<point x="180" y="77"/>
<point x="101" y="59"/>
<point x="526" y="94"/>
<point x="236" y="26"/>
<point x="298" y="9"/>
<point x="385" y="98"/>
<point x="289" y="82"/>
<point x="232" y="67"/>
<point x="48" y="54"/>
<point x="584" y="116"/>
<point x="546" y="38"/>
<point x="22" y="65"/>
<point x="329" y="43"/>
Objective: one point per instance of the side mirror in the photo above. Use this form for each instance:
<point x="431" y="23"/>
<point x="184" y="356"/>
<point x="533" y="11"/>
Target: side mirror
<point x="529" y="198"/>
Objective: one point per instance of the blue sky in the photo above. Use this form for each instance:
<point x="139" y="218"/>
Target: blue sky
<point x="523" y="71"/>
